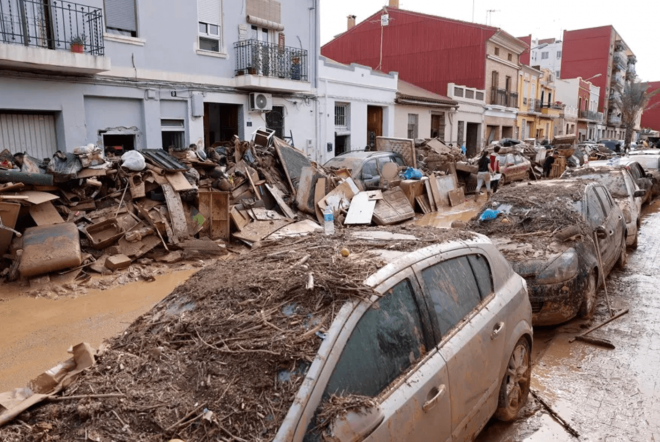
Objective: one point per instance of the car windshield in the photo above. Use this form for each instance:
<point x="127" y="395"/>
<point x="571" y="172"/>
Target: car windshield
<point x="613" y="181"/>
<point x="344" y="163"/>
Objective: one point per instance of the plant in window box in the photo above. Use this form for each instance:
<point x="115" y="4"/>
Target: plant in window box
<point x="78" y="44"/>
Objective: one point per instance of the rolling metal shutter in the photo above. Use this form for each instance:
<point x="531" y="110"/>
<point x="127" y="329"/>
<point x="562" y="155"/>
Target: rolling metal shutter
<point x="34" y="134"/>
<point x="209" y="11"/>
<point x="266" y="10"/>
<point x="120" y="14"/>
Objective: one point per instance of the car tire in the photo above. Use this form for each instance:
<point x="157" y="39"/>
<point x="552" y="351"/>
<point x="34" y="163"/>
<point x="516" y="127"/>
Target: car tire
<point x="623" y="256"/>
<point x="515" y="385"/>
<point x="590" y="292"/>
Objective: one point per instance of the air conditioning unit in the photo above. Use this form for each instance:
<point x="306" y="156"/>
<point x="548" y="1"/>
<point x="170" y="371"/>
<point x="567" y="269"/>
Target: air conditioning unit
<point x="261" y="102"/>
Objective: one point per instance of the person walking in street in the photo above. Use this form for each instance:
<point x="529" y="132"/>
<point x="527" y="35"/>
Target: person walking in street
<point x="547" y="165"/>
<point x="495" y="168"/>
<point x="483" y="174"/>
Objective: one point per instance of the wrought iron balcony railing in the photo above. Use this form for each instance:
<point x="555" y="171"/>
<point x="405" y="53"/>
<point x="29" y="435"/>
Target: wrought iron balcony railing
<point x="255" y="57"/>
<point x="591" y="115"/>
<point x="57" y="25"/>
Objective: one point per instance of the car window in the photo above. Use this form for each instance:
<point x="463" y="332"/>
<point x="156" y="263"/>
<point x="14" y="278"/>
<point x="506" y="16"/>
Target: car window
<point x="384" y="160"/>
<point x="502" y="160"/>
<point x="453" y="291"/>
<point x="398" y="161"/>
<point x="519" y="159"/>
<point x="509" y="159"/>
<point x="387" y="340"/>
<point x="370" y="169"/>
<point x="595" y="212"/>
<point x="482" y="273"/>
<point x="629" y="183"/>
<point x="605" y="199"/>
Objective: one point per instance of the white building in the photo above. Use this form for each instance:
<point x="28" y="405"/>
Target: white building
<point x="468" y="120"/>
<point x="356" y="104"/>
<point x="547" y="54"/>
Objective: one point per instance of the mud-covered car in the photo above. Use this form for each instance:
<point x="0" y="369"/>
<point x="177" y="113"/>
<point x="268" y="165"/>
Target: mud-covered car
<point x="622" y="187"/>
<point x="546" y="231"/>
<point x="365" y="167"/>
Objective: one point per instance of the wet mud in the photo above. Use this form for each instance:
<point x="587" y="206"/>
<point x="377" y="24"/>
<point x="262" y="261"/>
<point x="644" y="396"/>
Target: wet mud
<point x="604" y="394"/>
<point x="36" y="332"/>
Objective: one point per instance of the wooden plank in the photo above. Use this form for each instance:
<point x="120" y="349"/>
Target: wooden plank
<point x="293" y="161"/>
<point x="14" y="198"/>
<point x="429" y="195"/>
<point x="178" y="182"/>
<point x="177" y="217"/>
<point x="12" y="186"/>
<point x="214" y="206"/>
<point x="45" y="214"/>
<point x="258" y="230"/>
<point x="423" y="203"/>
<point x="279" y="198"/>
<point x="456" y="197"/>
<point x="361" y="210"/>
<point x="403" y="146"/>
<point x="393" y="208"/>
<point x="89" y="173"/>
<point x="239" y="219"/>
<point x="9" y="216"/>
<point x="36" y="197"/>
<point x="319" y="193"/>
<point x="306" y="189"/>
<point x="412" y="189"/>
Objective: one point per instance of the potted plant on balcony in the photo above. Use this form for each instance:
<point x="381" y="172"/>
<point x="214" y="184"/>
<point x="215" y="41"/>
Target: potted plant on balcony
<point x="78" y="44"/>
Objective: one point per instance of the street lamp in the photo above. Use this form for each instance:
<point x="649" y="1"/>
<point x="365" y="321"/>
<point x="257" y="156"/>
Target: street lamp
<point x="595" y="76"/>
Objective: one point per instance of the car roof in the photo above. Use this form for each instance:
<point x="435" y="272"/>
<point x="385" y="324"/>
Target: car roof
<point x="365" y="154"/>
<point x="593" y="169"/>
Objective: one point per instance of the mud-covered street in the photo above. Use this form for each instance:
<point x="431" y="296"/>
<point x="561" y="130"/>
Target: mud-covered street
<point x="603" y="394"/>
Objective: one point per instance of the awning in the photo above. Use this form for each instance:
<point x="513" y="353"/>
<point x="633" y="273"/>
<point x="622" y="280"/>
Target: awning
<point x="265" y="23"/>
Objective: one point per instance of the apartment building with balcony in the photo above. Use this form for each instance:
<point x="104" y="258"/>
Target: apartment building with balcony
<point x="600" y="55"/>
<point x="143" y="74"/>
<point x="651" y="116"/>
<point x="445" y="51"/>
<point x="469" y="118"/>
<point x="538" y="106"/>
<point x="583" y="96"/>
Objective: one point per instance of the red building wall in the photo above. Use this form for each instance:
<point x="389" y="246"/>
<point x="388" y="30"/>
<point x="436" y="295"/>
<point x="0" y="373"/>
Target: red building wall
<point x="425" y="50"/>
<point x="651" y="117"/>
<point x="526" y="55"/>
<point x="585" y="53"/>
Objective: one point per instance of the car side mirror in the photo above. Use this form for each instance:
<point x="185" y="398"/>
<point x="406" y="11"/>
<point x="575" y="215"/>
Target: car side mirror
<point x="601" y="232"/>
<point x="356" y="426"/>
<point x="639" y="193"/>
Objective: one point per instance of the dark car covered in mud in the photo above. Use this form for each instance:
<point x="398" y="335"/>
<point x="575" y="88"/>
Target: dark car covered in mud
<point x="546" y="231"/>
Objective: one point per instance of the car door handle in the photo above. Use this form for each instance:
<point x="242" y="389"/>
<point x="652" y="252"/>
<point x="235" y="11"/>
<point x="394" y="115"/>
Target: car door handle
<point x="620" y="217"/>
<point x="439" y="392"/>
<point x="497" y="330"/>
<point x="611" y="232"/>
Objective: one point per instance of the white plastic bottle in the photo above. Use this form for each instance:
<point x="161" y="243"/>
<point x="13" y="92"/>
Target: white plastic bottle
<point x="328" y="221"/>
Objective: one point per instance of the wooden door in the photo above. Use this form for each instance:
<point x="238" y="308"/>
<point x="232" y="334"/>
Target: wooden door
<point x="374" y="125"/>
<point x="438" y="126"/>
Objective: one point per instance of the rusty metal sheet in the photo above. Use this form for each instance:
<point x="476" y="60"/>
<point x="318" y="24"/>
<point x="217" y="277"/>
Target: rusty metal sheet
<point x="164" y="160"/>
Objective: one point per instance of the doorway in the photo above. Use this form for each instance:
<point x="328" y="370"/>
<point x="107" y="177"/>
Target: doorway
<point x="374" y="125"/>
<point x="472" y="139"/>
<point x="118" y="144"/>
<point x="342" y="144"/>
<point x="220" y="122"/>
<point x="275" y="121"/>
<point x="438" y="126"/>
<point x="507" y="132"/>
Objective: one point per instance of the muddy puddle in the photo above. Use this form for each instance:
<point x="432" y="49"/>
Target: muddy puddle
<point x="36" y="332"/>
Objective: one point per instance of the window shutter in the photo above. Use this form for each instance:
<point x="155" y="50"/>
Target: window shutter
<point x="268" y="10"/>
<point x="120" y="14"/>
<point x="209" y="11"/>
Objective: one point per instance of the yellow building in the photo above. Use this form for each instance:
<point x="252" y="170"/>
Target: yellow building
<point x="538" y="108"/>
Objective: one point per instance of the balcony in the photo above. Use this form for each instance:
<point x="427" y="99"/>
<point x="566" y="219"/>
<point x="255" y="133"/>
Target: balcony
<point x="620" y="61"/>
<point x="591" y="115"/>
<point x="269" y="66"/>
<point x="57" y="36"/>
<point x="501" y="97"/>
<point x="614" y="120"/>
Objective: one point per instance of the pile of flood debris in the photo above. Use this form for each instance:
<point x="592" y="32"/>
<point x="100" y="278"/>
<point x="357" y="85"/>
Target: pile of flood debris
<point x="223" y="356"/>
<point x="89" y="211"/>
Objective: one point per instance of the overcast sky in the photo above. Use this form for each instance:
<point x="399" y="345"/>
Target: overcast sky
<point x="636" y="20"/>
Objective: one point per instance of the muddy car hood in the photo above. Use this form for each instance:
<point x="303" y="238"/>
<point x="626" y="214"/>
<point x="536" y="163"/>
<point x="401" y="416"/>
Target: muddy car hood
<point x="529" y="259"/>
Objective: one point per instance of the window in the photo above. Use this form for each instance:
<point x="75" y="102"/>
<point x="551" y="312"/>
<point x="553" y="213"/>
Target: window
<point x="497" y="51"/>
<point x="387" y="340"/>
<point x="510" y="160"/>
<point x="495" y="80"/>
<point x="558" y="55"/>
<point x="173" y="133"/>
<point x="370" y="170"/>
<point x="595" y="212"/>
<point x="483" y="275"/>
<point x="453" y="291"/>
<point x="341" y="115"/>
<point x="507" y="84"/>
<point x="413" y="125"/>
<point x="557" y="74"/>
<point x="209" y="13"/>
<point x="605" y="196"/>
<point x="510" y="57"/>
<point x="121" y="17"/>
<point x="544" y="55"/>
<point x="461" y="131"/>
<point x="275" y="121"/>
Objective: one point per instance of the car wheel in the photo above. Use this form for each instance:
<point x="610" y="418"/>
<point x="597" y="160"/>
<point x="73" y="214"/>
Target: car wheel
<point x="515" y="385"/>
<point x="623" y="256"/>
<point x="589" y="302"/>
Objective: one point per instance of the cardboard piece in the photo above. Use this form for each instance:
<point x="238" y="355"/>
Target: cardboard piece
<point x="412" y="189"/>
<point x="319" y="193"/>
<point x="9" y="216"/>
<point x="438" y="146"/>
<point x="46" y="384"/>
<point x="393" y="208"/>
<point x="279" y="197"/>
<point x="137" y="249"/>
<point x="300" y="228"/>
<point x="178" y="182"/>
<point x="361" y="210"/>
<point x="339" y="198"/>
<point x="456" y="197"/>
<point x="45" y="214"/>
<point x="258" y="230"/>
<point x="36" y="197"/>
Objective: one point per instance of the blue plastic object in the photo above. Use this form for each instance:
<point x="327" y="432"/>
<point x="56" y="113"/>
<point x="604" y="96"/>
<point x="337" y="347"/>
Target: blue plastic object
<point x="412" y="174"/>
<point x="489" y="214"/>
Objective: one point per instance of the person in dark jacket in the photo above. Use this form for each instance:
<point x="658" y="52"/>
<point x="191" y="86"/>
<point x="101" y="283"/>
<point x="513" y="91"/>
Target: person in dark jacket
<point x="547" y="165"/>
<point x="483" y="174"/>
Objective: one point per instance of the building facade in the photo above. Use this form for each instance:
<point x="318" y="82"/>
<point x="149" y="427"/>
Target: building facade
<point x="357" y="104"/>
<point x="538" y="106"/>
<point x="651" y="116"/>
<point x="468" y="120"/>
<point x="449" y="51"/>
<point x="583" y="96"/>
<point x="155" y="74"/>
<point x="600" y="55"/>
<point x="547" y="54"/>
